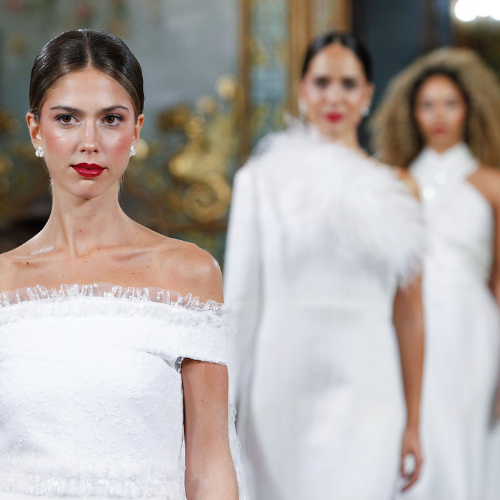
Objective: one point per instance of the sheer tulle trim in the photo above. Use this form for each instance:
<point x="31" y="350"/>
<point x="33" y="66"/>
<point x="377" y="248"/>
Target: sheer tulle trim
<point x="72" y="487"/>
<point x="107" y="290"/>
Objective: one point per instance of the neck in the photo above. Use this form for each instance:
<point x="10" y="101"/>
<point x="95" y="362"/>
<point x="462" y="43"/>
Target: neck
<point x="350" y="140"/>
<point x="80" y="226"/>
<point x="444" y="146"/>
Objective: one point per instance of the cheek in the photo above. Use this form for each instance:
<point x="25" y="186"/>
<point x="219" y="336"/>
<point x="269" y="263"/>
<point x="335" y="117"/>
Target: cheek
<point x="356" y="99"/>
<point x="118" y="143"/>
<point x="313" y="96"/>
<point x="457" y="118"/>
<point x="55" y="138"/>
<point x="423" y="119"/>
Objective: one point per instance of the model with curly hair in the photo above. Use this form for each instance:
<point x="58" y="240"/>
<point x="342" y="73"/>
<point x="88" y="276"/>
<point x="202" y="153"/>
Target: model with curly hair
<point x="441" y="119"/>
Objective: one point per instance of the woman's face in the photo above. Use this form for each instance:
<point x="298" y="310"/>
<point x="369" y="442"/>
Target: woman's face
<point x="86" y="128"/>
<point x="440" y="113"/>
<point x="336" y="92"/>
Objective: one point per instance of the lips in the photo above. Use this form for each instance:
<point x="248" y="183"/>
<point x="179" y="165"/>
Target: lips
<point x="334" y="117"/>
<point x="439" y="129"/>
<point x="88" y="169"/>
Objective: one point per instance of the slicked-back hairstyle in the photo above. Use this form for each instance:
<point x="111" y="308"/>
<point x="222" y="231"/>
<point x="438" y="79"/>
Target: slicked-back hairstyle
<point x="396" y="138"/>
<point x="79" y="49"/>
<point x="346" y="40"/>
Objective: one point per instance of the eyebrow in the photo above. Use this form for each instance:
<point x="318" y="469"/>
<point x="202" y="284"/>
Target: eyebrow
<point x="69" y="109"/>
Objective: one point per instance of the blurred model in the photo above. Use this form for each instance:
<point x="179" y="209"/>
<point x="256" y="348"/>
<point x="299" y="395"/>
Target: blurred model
<point x="113" y="388"/>
<point x="441" y="117"/>
<point x="322" y="262"/>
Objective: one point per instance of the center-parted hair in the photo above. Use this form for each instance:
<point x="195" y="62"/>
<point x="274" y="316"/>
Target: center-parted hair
<point x="79" y="49"/>
<point x="347" y="40"/>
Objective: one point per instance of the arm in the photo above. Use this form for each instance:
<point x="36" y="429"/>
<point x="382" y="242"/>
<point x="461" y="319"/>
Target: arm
<point x="210" y="473"/>
<point x="409" y="325"/>
<point x="242" y="281"/>
<point x="495" y="279"/>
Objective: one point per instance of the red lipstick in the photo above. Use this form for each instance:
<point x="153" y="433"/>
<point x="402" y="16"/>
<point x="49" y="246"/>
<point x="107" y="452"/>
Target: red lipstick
<point x="88" y="169"/>
<point x="334" y="117"/>
<point x="439" y="129"/>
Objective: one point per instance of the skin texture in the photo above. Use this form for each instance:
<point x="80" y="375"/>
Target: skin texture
<point x="440" y="113"/>
<point x="440" y="103"/>
<point x="336" y="83"/>
<point x="89" y="118"/>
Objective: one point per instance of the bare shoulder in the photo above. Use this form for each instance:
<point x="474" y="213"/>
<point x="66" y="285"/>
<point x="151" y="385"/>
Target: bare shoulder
<point x="10" y="263"/>
<point x="188" y="269"/>
<point x="487" y="180"/>
<point x="405" y="176"/>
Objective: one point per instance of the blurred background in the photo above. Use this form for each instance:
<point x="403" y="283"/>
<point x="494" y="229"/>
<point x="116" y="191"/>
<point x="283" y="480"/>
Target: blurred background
<point x="219" y="74"/>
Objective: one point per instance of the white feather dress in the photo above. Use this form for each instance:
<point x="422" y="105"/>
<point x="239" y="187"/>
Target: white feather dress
<point x="319" y="240"/>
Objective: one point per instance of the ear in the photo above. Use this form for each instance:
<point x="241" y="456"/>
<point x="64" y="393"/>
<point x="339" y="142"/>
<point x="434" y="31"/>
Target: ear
<point x="137" y="128"/>
<point x="302" y="89"/>
<point x="370" y="90"/>
<point x="34" y="130"/>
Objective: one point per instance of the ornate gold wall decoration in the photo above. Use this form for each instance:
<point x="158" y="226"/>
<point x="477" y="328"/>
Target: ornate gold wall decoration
<point x="183" y="183"/>
<point x="23" y="177"/>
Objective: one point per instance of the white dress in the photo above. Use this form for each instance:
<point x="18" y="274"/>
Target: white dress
<point x="462" y="328"/>
<point x="319" y="239"/>
<point x="91" y="401"/>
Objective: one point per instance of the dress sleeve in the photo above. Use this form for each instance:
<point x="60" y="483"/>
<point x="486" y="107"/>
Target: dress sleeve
<point x="242" y="282"/>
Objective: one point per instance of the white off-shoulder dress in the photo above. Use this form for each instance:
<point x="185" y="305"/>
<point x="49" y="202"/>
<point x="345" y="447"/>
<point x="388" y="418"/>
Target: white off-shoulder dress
<point x="320" y="238"/>
<point x="91" y="400"/>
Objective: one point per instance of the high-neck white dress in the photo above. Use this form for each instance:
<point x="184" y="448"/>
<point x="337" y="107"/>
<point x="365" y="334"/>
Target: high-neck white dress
<point x="319" y="240"/>
<point x="462" y="328"/>
<point x="91" y="401"/>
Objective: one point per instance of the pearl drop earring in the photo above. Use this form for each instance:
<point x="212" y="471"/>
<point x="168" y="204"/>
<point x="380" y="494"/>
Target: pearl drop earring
<point x="365" y="112"/>
<point x="133" y="152"/>
<point x="39" y="152"/>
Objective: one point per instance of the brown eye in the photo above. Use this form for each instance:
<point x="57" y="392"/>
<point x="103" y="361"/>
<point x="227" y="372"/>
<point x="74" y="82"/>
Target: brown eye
<point x="65" y="119"/>
<point x="112" y="119"/>
<point x="349" y="83"/>
<point x="321" y="82"/>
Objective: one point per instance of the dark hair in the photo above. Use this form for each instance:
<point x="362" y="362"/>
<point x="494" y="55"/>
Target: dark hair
<point x="438" y="71"/>
<point x="78" y="49"/>
<point x="346" y="40"/>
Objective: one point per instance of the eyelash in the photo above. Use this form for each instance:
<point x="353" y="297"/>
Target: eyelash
<point x="118" y="118"/>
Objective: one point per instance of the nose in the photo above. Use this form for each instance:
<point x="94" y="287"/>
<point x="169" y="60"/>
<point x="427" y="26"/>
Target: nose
<point x="334" y="93"/>
<point x="89" y="141"/>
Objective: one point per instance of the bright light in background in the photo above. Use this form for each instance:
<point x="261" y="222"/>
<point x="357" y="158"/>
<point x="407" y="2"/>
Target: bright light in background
<point x="468" y="10"/>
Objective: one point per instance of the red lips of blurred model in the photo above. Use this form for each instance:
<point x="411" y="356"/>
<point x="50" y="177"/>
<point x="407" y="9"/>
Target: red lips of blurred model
<point x="334" y="117"/>
<point x="88" y="169"/>
<point x="439" y="129"/>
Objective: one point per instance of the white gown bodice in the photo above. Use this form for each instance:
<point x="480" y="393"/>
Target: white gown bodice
<point x="91" y="401"/>
<point x="459" y="218"/>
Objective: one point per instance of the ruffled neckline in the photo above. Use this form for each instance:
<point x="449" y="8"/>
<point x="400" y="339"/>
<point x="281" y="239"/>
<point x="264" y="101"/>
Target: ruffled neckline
<point x="456" y="162"/>
<point x="66" y="292"/>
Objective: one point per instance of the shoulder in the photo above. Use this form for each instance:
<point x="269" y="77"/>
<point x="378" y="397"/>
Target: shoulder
<point x="487" y="180"/>
<point x="409" y="180"/>
<point x="188" y="269"/>
<point x="10" y="265"/>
